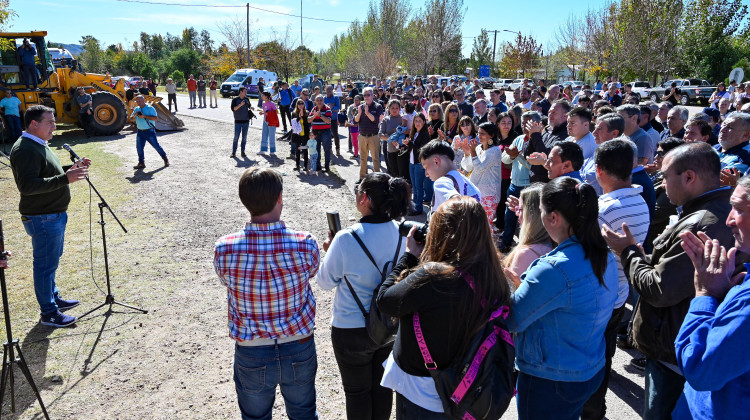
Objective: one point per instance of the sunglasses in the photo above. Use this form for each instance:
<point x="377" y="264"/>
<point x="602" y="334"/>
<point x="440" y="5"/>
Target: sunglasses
<point x="433" y="112"/>
<point x="453" y="111"/>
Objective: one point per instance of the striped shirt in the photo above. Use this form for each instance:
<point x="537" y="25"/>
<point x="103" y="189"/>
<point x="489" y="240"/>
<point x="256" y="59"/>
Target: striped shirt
<point x="318" y="123"/>
<point x="267" y="270"/>
<point x="624" y="206"/>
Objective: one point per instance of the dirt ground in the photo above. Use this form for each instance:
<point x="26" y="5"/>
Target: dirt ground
<point x="175" y="361"/>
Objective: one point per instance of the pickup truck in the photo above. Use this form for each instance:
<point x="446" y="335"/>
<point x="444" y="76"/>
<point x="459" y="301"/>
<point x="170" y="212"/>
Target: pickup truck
<point x="693" y="90"/>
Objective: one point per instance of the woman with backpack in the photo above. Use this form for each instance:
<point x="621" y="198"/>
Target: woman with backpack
<point x="356" y="262"/>
<point x="434" y="285"/>
<point x="562" y="306"/>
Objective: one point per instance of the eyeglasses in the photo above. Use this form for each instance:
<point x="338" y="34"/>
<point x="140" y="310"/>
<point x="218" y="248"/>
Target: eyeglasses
<point x="466" y="124"/>
<point x="433" y="112"/>
<point x="368" y="94"/>
<point x="453" y="111"/>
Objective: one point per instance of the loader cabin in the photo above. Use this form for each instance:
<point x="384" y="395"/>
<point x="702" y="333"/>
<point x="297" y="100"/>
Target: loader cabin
<point x="10" y="69"/>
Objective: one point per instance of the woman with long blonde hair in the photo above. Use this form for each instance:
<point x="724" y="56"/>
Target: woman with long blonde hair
<point x="533" y="239"/>
<point x="454" y="284"/>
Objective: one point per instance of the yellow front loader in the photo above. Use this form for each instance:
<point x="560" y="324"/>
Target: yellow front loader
<point x="57" y="89"/>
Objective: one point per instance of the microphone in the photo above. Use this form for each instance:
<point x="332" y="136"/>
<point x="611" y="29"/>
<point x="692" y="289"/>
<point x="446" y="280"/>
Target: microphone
<point x="73" y="154"/>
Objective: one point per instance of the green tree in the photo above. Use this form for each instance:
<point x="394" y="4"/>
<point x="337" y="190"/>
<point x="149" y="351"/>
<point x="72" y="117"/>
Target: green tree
<point x="705" y="37"/>
<point x="186" y="60"/>
<point x="92" y="58"/>
<point x="206" y="43"/>
<point x="481" y="51"/>
<point x="190" y="38"/>
<point x="178" y="77"/>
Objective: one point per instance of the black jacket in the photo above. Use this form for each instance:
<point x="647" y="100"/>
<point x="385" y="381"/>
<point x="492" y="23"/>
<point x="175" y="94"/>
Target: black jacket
<point x="543" y="142"/>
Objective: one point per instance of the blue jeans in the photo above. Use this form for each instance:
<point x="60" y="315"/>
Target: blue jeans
<point x="47" y="233"/>
<point x="240" y="127"/>
<point x="14" y="123"/>
<point x="268" y="137"/>
<point x="416" y="172"/>
<point x="192" y="94"/>
<point x="540" y="398"/>
<point x="324" y="138"/>
<point x="511" y="220"/>
<point x="663" y="389"/>
<point x="149" y="136"/>
<point x="407" y="410"/>
<point x="428" y="189"/>
<point x="258" y="370"/>
<point x="29" y="75"/>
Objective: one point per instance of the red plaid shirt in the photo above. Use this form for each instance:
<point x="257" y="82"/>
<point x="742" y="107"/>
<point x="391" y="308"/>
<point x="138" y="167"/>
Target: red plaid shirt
<point x="267" y="270"/>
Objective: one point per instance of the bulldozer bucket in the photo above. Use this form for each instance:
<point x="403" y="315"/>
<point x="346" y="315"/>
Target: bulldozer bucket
<point x="165" y="120"/>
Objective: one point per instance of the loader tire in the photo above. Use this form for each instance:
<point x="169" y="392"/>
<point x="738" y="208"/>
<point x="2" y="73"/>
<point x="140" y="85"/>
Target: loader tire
<point x="110" y="114"/>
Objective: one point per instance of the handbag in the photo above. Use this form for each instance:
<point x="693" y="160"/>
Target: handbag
<point x="380" y="327"/>
<point x="480" y="383"/>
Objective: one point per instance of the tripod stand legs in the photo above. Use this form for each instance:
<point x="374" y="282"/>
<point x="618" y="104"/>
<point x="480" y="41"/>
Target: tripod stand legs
<point x="9" y="360"/>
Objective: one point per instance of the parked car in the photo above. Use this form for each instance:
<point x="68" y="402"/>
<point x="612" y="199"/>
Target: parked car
<point x="576" y="85"/>
<point x="487" y="82"/>
<point x="135" y="81"/>
<point x="693" y="90"/>
<point x="517" y="83"/>
<point x="249" y="79"/>
<point x="642" y="88"/>
<point x="503" y="84"/>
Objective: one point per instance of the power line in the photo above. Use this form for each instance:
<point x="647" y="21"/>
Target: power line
<point x="232" y="6"/>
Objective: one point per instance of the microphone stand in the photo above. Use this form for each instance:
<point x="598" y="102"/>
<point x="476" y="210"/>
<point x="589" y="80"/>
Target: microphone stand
<point x="11" y="347"/>
<point x="110" y="298"/>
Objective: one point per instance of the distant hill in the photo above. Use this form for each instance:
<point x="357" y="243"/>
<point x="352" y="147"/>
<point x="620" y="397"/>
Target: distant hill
<point x="74" y="49"/>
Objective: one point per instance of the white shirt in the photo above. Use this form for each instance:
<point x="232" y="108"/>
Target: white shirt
<point x="33" y="137"/>
<point x="624" y="206"/>
<point x="444" y="189"/>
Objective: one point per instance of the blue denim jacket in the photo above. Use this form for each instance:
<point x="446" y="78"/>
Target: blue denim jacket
<point x="560" y="312"/>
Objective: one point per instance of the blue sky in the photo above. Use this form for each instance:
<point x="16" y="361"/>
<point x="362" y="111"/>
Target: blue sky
<point x="114" y="21"/>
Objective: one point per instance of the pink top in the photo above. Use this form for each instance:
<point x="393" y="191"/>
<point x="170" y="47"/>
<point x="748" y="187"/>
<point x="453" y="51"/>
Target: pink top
<point x="522" y="259"/>
<point x="269" y="106"/>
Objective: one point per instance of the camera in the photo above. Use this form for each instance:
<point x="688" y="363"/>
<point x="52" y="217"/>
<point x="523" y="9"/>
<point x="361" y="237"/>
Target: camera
<point x="419" y="235"/>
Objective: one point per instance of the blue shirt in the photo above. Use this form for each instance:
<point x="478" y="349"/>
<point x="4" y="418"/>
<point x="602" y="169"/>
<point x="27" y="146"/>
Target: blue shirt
<point x="711" y="350"/>
<point x="588" y="174"/>
<point x="142" y="123"/>
<point x="10" y="106"/>
<point x="333" y="102"/>
<point x="560" y="312"/>
<point x="738" y="157"/>
<point x="27" y="56"/>
<point x="520" y="169"/>
<point x="587" y="143"/>
<point x="285" y="97"/>
<point x="296" y="89"/>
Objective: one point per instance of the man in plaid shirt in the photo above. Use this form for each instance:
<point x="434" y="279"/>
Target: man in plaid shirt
<point x="267" y="269"/>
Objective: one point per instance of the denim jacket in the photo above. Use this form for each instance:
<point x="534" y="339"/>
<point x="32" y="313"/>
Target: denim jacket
<point x="560" y="312"/>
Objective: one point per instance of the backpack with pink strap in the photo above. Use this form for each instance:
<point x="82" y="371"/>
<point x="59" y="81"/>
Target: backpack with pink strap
<point x="480" y="383"/>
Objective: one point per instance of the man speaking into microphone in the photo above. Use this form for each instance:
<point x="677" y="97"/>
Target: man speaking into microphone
<point x="43" y="183"/>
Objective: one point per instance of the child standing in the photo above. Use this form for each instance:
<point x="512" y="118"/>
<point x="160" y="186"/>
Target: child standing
<point x="312" y="147"/>
<point x="351" y="113"/>
<point x="270" y="122"/>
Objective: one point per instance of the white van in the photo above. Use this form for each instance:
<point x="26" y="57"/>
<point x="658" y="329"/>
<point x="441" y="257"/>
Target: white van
<point x="249" y="79"/>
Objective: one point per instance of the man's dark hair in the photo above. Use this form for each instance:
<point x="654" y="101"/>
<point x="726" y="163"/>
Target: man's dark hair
<point x="670" y="143"/>
<point x="36" y="113"/>
<point x="615" y="157"/>
<point x="583" y="113"/>
<point x="613" y="121"/>
<point x="571" y="151"/>
<point x="260" y="189"/>
<point x="564" y="104"/>
<point x="241" y="89"/>
<point x="542" y="90"/>
<point x="584" y="99"/>
<point x="673" y="84"/>
<point x="645" y="109"/>
<point x="699" y="157"/>
<point x="630" y="110"/>
<point x="436" y="147"/>
<point x="703" y="126"/>
<point x="712" y="113"/>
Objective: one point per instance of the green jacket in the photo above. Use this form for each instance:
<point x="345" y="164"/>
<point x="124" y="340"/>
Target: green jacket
<point x="40" y="178"/>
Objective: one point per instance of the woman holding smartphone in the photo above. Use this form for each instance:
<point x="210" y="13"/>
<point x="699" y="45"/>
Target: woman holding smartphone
<point x="354" y="261"/>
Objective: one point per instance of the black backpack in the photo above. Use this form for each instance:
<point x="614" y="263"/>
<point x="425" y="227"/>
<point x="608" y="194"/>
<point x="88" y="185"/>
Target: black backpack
<point x="381" y="328"/>
<point x="480" y="383"/>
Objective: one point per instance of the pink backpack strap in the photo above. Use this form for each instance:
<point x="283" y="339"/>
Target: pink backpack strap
<point x="428" y="362"/>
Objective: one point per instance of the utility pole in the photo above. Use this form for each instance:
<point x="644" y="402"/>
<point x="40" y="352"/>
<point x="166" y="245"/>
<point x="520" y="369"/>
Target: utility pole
<point x="493" y="49"/>
<point x="248" y="34"/>
<point x="301" y="43"/>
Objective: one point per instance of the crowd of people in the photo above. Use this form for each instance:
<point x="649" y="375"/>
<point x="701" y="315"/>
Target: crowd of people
<point x="563" y="207"/>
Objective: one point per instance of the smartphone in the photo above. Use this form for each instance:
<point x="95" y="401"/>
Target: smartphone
<point x="334" y="222"/>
